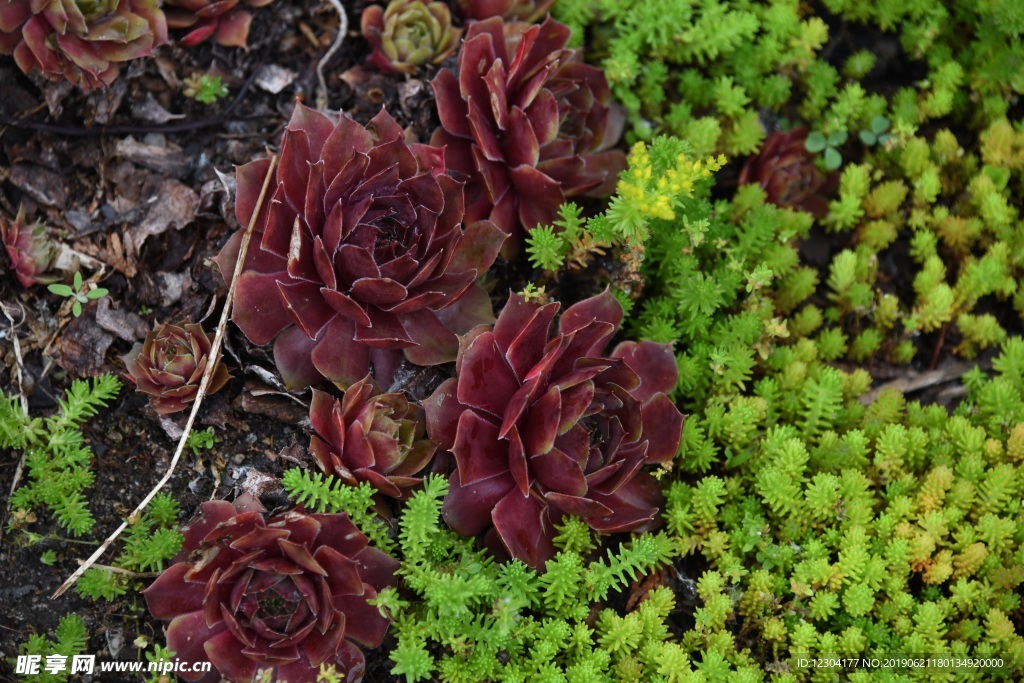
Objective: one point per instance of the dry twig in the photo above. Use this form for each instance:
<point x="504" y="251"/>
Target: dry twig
<point x="210" y="367"/>
<point x="321" y="96"/>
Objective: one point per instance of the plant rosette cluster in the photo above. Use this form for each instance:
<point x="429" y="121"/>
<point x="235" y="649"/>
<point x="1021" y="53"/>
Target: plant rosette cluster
<point x="408" y="34"/>
<point x="81" y="41"/>
<point x="30" y="250"/>
<point x="272" y="599"/>
<point x="785" y="170"/>
<point x="170" y="364"/>
<point x="370" y="436"/>
<point x="358" y="254"/>
<point x="223" y="20"/>
<point x="528" y="123"/>
<point x="543" y="424"/>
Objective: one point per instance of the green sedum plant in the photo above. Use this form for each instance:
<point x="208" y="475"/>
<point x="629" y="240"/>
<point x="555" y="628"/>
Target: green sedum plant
<point x="56" y="456"/>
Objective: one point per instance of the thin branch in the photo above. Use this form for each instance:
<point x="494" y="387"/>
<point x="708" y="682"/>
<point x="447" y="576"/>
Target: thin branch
<point x="207" y="376"/>
<point x="321" y="96"/>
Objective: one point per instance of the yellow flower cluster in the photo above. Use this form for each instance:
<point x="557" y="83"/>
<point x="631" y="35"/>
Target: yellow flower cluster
<point x="654" y="191"/>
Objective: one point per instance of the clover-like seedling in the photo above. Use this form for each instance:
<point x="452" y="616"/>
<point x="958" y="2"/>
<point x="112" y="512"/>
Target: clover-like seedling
<point x="80" y="294"/>
<point x="877" y="133"/>
<point x="817" y="143"/>
<point x="205" y="88"/>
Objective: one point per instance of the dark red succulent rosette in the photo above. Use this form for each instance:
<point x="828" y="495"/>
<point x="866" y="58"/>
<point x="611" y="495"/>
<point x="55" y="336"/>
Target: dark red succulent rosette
<point x="223" y="20"/>
<point x="274" y="597"/>
<point x="170" y="364"/>
<point x="372" y="437"/>
<point x="358" y="253"/>
<point x="81" y="42"/>
<point x="543" y="424"/>
<point x="527" y="123"/>
<point x="786" y="171"/>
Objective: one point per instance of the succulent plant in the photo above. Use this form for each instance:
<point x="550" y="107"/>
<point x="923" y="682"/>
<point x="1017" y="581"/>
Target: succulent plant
<point x="543" y="424"/>
<point x="785" y="170"/>
<point x="82" y="41"/>
<point x="369" y="436"/>
<point x="170" y="364"/>
<point x="358" y="252"/>
<point x="408" y="34"/>
<point x="31" y="251"/>
<point x="223" y="20"/>
<point x="526" y="118"/>
<point x="271" y="599"/>
<point x="523" y="10"/>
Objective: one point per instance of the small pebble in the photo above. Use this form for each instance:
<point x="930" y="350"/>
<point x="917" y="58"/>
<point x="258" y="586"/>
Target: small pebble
<point x="238" y="459"/>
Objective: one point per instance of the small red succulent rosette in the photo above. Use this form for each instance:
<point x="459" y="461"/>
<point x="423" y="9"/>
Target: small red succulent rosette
<point x="372" y="437"/>
<point x="785" y="170"/>
<point x="271" y="599"/>
<point x="359" y="253"/>
<point x="81" y="42"/>
<point x="30" y="250"/>
<point x="527" y="123"/>
<point x="170" y="364"/>
<point x="543" y="423"/>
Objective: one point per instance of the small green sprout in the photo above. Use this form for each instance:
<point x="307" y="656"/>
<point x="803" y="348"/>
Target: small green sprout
<point x="205" y="88"/>
<point x="817" y="143"/>
<point x="201" y="439"/>
<point x="49" y="558"/>
<point x="878" y="133"/>
<point x="78" y="293"/>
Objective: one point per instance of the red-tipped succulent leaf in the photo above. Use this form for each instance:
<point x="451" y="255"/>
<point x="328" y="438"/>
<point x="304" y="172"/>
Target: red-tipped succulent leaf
<point x="271" y="598"/>
<point x="226" y="21"/>
<point x="170" y="364"/>
<point x="527" y="123"/>
<point x="358" y="253"/>
<point x="81" y="41"/>
<point x="369" y="436"/>
<point x="542" y="422"/>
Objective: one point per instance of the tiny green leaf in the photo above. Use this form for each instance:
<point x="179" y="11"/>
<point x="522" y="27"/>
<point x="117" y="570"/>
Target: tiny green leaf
<point x="879" y="125"/>
<point x="815" y="142"/>
<point x="97" y="293"/>
<point x="868" y="138"/>
<point x="837" y="138"/>
<point x="78" y="280"/>
<point x="76" y="308"/>
<point x="61" y="290"/>
<point x="833" y="159"/>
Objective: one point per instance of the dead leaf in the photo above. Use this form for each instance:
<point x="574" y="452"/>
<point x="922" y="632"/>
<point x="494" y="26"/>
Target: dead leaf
<point x="274" y="78"/>
<point x="43" y="185"/>
<point x="125" y="324"/>
<point x="151" y="110"/>
<point x="154" y="157"/>
<point x="174" y="206"/>
<point x="81" y="348"/>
